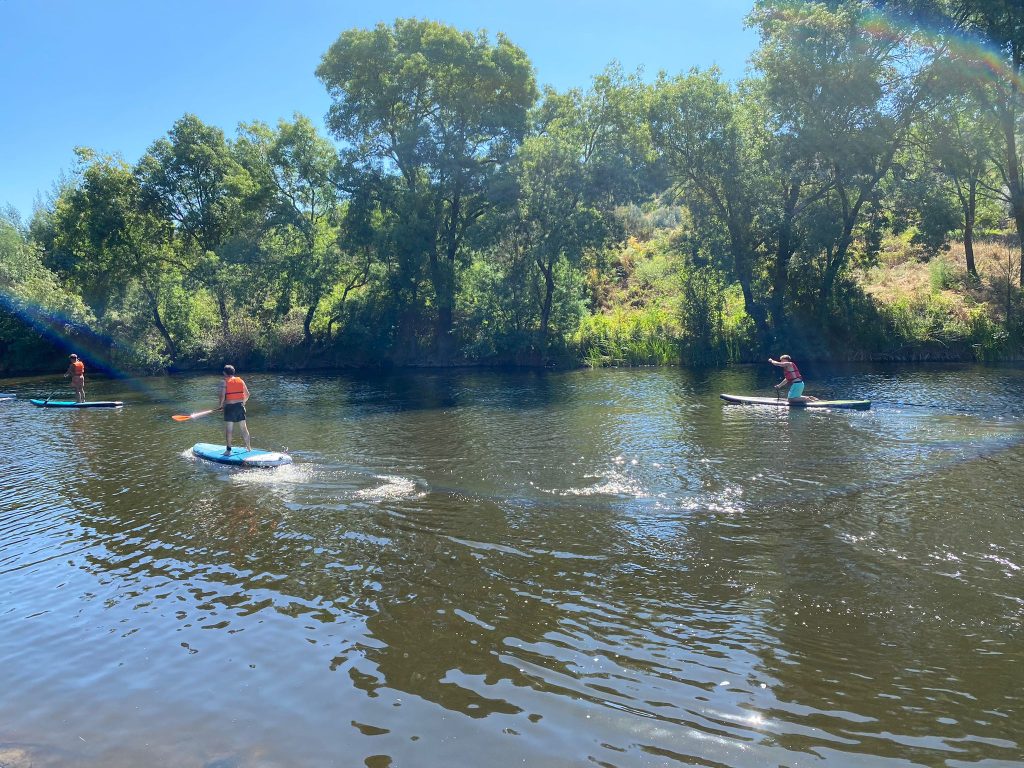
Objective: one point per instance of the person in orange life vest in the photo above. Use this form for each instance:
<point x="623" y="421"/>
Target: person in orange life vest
<point x="233" y="395"/>
<point x="793" y="378"/>
<point x="76" y="372"/>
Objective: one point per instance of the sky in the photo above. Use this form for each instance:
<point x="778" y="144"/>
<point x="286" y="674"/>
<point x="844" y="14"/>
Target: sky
<point x="114" y="75"/>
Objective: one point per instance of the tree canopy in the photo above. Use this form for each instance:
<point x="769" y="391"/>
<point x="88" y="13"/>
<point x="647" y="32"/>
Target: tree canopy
<point x="453" y="213"/>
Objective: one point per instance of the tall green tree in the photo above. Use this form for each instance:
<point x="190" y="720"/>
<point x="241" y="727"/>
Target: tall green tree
<point x="34" y="301"/>
<point x="716" y="165"/>
<point x="958" y="139"/>
<point x="192" y="179"/>
<point x="846" y="99"/>
<point x="554" y="223"/>
<point x="107" y="243"/>
<point x="978" y="29"/>
<point x="296" y="168"/>
<point x="437" y="113"/>
<point x="591" y="152"/>
<point x="1000" y="23"/>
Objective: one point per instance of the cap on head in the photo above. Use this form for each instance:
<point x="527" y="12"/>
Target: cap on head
<point x="74" y="357"/>
<point x="787" y="358"/>
<point x="229" y="370"/>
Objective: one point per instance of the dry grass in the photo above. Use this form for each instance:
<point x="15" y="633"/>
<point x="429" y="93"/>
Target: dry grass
<point x="903" y="274"/>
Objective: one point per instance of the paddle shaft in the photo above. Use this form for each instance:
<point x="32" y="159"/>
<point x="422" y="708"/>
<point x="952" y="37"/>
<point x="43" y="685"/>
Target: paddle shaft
<point x="196" y="415"/>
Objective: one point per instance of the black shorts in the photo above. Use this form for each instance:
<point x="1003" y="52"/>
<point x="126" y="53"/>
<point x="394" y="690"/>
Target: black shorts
<point x="234" y="411"/>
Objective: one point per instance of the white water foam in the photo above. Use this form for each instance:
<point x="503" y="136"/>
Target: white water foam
<point x="394" y="487"/>
<point x="612" y="483"/>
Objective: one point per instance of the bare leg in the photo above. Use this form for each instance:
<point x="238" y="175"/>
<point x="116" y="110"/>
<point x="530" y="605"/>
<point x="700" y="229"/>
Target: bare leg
<point x="245" y="435"/>
<point x="228" y="427"/>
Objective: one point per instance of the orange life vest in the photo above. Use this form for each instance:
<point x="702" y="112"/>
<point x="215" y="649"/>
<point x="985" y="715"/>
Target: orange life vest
<point x="234" y="390"/>
<point x="78" y="367"/>
<point x="792" y="373"/>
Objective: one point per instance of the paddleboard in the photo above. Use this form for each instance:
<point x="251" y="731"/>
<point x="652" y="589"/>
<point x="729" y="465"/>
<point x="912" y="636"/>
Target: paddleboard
<point x="6" y="396"/>
<point x="239" y="457"/>
<point x="73" y="404"/>
<point x="782" y="402"/>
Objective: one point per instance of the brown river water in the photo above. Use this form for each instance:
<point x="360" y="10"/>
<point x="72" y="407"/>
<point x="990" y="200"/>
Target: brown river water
<point x="590" y="568"/>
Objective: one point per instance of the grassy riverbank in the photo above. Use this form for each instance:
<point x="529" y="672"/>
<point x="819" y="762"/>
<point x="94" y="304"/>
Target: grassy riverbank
<point x="899" y="305"/>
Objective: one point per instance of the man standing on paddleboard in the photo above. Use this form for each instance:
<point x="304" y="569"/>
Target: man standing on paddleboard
<point x="76" y="371"/>
<point x="793" y="378"/>
<point x="233" y="395"/>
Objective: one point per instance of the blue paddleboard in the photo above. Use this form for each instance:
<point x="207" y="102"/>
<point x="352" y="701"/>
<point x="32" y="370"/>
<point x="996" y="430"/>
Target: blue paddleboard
<point x="239" y="457"/>
<point x="73" y="404"/>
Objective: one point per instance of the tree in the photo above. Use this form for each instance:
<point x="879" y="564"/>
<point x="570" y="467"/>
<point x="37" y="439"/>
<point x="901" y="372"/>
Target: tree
<point x="35" y="305"/>
<point x="958" y="138"/>
<point x="106" y="242"/>
<point x="553" y="222"/>
<point x="295" y="169"/>
<point x="435" y="114"/>
<point x="609" y="125"/>
<point x="591" y="152"/>
<point x="846" y="100"/>
<point x="192" y="179"/>
<point x="1001" y="24"/>
<point x="715" y="164"/>
<point x="976" y="29"/>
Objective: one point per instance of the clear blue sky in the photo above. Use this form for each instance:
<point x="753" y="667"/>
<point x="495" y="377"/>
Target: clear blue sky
<point x="114" y="75"/>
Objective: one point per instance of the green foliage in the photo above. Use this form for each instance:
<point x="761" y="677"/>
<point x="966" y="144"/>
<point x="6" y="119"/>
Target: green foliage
<point x="37" y="312"/>
<point x="690" y="221"/>
<point x="430" y="115"/>
<point x="628" y="338"/>
<point x="701" y="311"/>
<point x="941" y="275"/>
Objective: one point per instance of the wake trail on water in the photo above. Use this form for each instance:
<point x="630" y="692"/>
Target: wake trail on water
<point x="971" y="410"/>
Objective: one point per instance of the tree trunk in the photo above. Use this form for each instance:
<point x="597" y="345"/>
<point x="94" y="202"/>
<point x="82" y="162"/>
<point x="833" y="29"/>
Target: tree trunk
<point x="307" y="321"/>
<point x="783" y="254"/>
<point x="442" y="275"/>
<point x="154" y="308"/>
<point x="545" y="310"/>
<point x="741" y="261"/>
<point x="1013" y="179"/>
<point x="969" y="214"/>
<point x="756" y="311"/>
<point x="222" y="307"/>
<point x="443" y="332"/>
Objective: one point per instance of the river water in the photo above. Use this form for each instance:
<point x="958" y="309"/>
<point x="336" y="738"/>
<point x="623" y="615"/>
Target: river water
<point x="607" y="568"/>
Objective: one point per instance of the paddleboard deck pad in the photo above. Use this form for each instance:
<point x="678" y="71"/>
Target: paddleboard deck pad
<point x="73" y="404"/>
<point x="782" y="402"/>
<point x="239" y="457"/>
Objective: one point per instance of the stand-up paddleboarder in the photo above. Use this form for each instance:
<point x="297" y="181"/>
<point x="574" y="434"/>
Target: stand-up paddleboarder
<point x="233" y="396"/>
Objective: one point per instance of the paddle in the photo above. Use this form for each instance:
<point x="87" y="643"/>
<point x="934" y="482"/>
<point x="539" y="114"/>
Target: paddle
<point x="196" y="415"/>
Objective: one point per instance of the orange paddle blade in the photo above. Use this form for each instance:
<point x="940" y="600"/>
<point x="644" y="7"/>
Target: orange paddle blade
<point x="196" y="415"/>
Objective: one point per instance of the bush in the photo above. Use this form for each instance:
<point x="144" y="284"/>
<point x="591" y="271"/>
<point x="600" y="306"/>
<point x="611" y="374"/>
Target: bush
<point x="623" y="337"/>
<point x="941" y="274"/>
